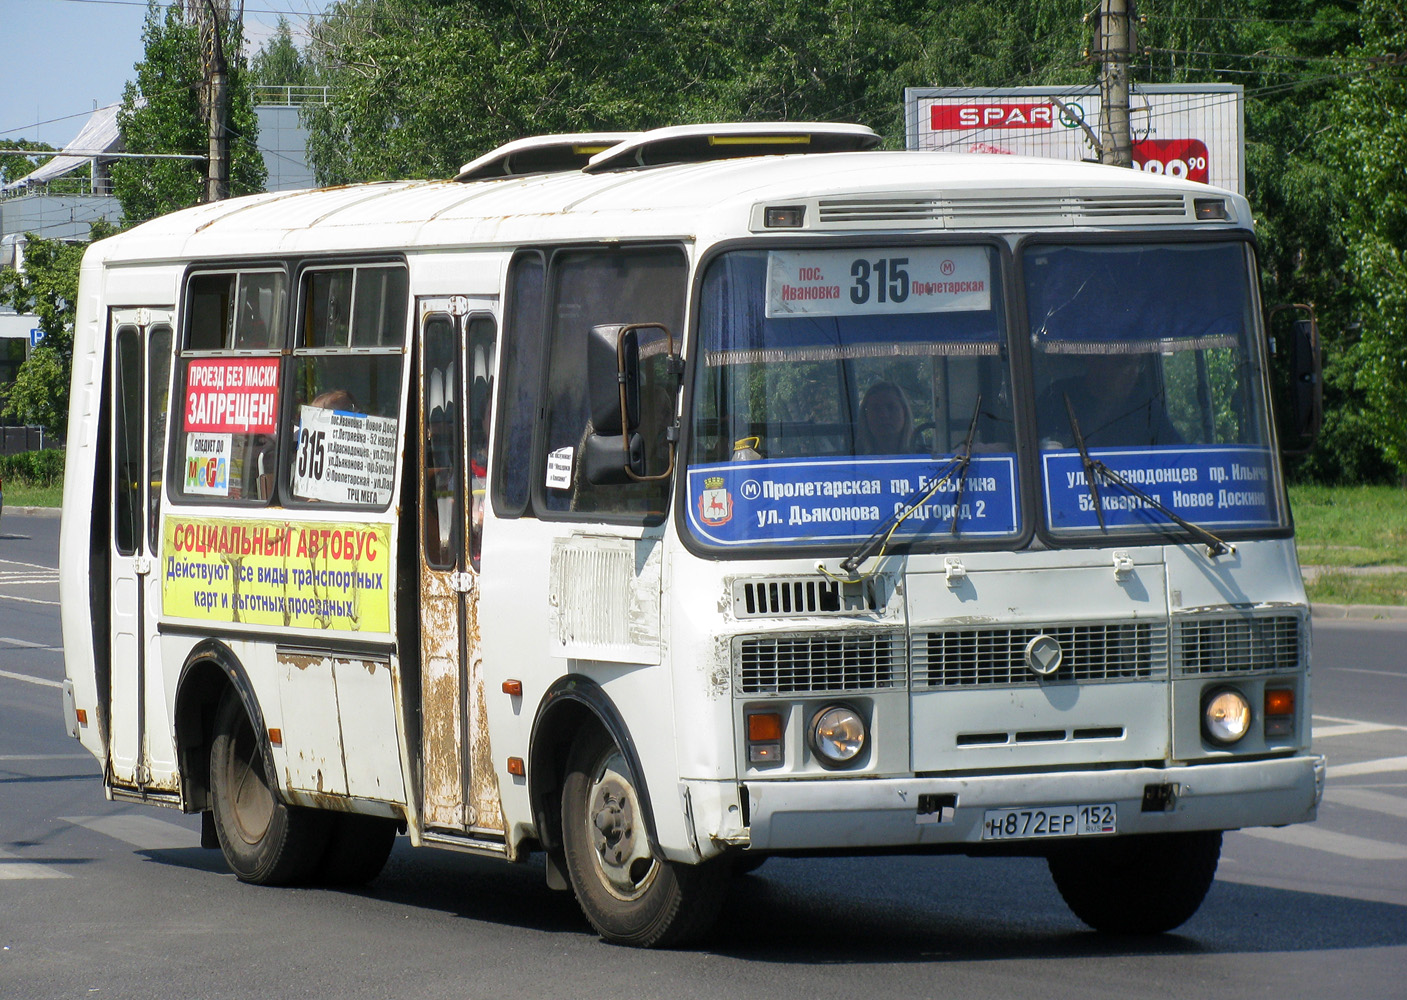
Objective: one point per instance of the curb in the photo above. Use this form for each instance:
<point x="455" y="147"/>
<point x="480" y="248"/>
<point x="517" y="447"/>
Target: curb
<point x="1358" y="612"/>
<point x="36" y="511"/>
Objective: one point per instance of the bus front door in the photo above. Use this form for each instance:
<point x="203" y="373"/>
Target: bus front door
<point x="140" y="754"/>
<point x="459" y="791"/>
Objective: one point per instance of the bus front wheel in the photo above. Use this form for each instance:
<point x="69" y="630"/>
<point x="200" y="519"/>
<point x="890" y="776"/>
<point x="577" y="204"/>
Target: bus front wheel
<point x="264" y="841"/>
<point x="628" y="894"/>
<point x="1136" y="885"/>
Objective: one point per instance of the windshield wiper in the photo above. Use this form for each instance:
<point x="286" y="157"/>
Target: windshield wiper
<point x="962" y="466"/>
<point x="915" y="499"/>
<point x="1088" y="462"/>
<point x="1095" y="469"/>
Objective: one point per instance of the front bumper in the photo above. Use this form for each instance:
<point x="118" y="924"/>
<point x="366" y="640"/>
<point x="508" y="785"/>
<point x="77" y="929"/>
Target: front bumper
<point x="839" y="814"/>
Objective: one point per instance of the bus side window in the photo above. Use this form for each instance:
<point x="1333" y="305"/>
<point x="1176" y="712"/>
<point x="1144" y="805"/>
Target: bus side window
<point x="595" y="288"/>
<point x="347" y="365"/>
<point x="521" y="390"/>
<point x="228" y="387"/>
<point x="481" y="355"/>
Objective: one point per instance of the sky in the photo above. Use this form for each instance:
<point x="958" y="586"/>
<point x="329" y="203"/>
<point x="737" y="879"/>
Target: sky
<point x="58" y="57"/>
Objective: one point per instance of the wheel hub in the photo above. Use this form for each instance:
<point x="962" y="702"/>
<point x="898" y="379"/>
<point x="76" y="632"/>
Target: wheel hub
<point x="622" y="852"/>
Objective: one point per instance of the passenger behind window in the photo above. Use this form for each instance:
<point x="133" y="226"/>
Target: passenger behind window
<point x="336" y="399"/>
<point x="886" y="422"/>
<point x="1117" y="400"/>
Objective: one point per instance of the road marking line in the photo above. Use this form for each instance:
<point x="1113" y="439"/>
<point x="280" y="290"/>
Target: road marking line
<point x="15" y="562"/>
<point x="25" y="643"/>
<point x="45" y="756"/>
<point x="12" y="866"/>
<point x="1359" y="722"/>
<point x="139" y="831"/>
<point x="1365" y="670"/>
<point x="27" y="600"/>
<point x="33" y="680"/>
<point x="1368" y="767"/>
<point x="1355" y="729"/>
<point x="1366" y="798"/>
<point x="1318" y="839"/>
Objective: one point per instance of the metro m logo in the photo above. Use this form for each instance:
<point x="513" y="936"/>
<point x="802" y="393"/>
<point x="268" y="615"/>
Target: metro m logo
<point x="972" y="116"/>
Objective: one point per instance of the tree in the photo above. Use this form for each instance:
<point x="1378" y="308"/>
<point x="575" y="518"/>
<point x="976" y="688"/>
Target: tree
<point x="280" y="63"/>
<point x="1372" y="148"/>
<point x="162" y="113"/>
<point x="48" y="288"/>
<point x="13" y="166"/>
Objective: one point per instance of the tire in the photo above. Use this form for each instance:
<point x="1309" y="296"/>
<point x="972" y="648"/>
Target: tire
<point x="357" y="849"/>
<point x="265" y="842"/>
<point x="627" y="893"/>
<point x="1137" y="885"/>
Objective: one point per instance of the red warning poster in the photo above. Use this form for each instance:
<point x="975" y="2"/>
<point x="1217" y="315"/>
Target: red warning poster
<point x="232" y="395"/>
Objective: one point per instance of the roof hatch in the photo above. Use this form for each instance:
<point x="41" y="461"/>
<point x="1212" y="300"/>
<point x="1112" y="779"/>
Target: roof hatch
<point x="698" y="143"/>
<point x="541" y="154"/>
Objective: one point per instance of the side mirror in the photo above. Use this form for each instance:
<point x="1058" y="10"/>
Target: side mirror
<point x="634" y="377"/>
<point x="1297" y="374"/>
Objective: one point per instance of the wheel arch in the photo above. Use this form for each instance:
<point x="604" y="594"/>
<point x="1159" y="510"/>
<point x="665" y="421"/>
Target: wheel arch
<point x="570" y="704"/>
<point x="209" y="670"/>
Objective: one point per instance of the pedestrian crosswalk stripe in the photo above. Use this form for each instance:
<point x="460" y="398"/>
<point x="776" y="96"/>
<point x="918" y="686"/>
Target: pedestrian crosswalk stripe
<point x="140" y="831"/>
<point x="14" y="867"/>
<point x="1367" y="798"/>
<point x="1380" y="766"/>
<point x="31" y="679"/>
<point x="1319" y="839"/>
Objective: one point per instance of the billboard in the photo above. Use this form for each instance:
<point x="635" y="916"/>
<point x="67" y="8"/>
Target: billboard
<point x="1183" y="130"/>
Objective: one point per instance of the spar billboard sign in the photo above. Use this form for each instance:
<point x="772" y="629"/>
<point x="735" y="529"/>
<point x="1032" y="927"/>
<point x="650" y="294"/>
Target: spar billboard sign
<point x="1183" y="130"/>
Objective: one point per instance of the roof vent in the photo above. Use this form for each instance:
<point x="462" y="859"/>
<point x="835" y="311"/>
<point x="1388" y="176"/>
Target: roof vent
<point x="541" y="154"/>
<point x="700" y="143"/>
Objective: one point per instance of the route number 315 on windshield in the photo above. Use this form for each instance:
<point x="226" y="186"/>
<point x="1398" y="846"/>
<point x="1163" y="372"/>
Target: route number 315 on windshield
<point x="865" y="281"/>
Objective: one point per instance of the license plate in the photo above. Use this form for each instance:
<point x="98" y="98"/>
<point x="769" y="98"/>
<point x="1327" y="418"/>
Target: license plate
<point x="1049" y="821"/>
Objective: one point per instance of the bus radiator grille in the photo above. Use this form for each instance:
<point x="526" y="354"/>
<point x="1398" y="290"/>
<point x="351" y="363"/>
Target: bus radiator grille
<point x="1209" y="646"/>
<point x="819" y="662"/>
<point x="983" y="657"/>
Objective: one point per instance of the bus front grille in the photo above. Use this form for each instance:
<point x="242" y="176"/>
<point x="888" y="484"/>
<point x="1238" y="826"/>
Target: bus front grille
<point x="983" y="657"/>
<point x="1208" y="646"/>
<point x="819" y="662"/>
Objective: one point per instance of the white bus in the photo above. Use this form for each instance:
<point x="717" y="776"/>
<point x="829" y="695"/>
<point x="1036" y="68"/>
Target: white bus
<point x="658" y="503"/>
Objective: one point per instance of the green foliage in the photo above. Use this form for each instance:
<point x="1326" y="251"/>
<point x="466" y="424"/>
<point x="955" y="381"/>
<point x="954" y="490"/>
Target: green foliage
<point x="162" y="113"/>
<point x="1371" y="149"/>
<point x="48" y="288"/>
<point x="14" y="166"/>
<point x="33" y="468"/>
<point x="280" y="63"/>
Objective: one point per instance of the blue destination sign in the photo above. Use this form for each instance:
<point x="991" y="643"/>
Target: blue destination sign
<point x="1228" y="487"/>
<point x="799" y="501"/>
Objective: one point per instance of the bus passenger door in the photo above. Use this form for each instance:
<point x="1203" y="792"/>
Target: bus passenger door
<point x="140" y="373"/>
<point x="458" y="789"/>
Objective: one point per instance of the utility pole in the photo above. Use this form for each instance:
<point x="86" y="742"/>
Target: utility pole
<point x="1114" y="48"/>
<point x="217" y="171"/>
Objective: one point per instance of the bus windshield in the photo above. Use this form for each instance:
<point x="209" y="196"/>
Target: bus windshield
<point x="1148" y="353"/>
<point x="837" y="384"/>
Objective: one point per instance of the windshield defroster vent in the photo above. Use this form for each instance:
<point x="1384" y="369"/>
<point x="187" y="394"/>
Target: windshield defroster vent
<point x="798" y="596"/>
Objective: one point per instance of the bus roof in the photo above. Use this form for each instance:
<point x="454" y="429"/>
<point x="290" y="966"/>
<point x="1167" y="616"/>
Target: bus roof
<point x="842" y="192"/>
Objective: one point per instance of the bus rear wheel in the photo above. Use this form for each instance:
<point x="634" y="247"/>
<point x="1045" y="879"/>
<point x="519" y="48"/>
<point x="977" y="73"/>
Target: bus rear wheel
<point x="265" y="841"/>
<point x="1137" y="885"/>
<point x="627" y="893"/>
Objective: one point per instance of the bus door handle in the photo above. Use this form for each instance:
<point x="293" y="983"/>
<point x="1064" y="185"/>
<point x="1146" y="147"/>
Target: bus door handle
<point x="141" y="565"/>
<point x="461" y="583"/>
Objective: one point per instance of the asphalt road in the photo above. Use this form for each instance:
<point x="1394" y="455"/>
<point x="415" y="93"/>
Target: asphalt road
<point x="100" y="899"/>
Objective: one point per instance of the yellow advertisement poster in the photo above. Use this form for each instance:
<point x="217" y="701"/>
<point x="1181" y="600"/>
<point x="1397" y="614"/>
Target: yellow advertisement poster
<point x="282" y="573"/>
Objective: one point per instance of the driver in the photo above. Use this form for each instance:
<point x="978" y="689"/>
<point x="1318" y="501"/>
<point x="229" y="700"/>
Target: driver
<point x="1117" y="400"/>
<point x="886" y="421"/>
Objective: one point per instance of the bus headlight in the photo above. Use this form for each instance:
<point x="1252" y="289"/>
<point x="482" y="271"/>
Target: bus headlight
<point x="1226" y="716"/>
<point x="837" y="735"/>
